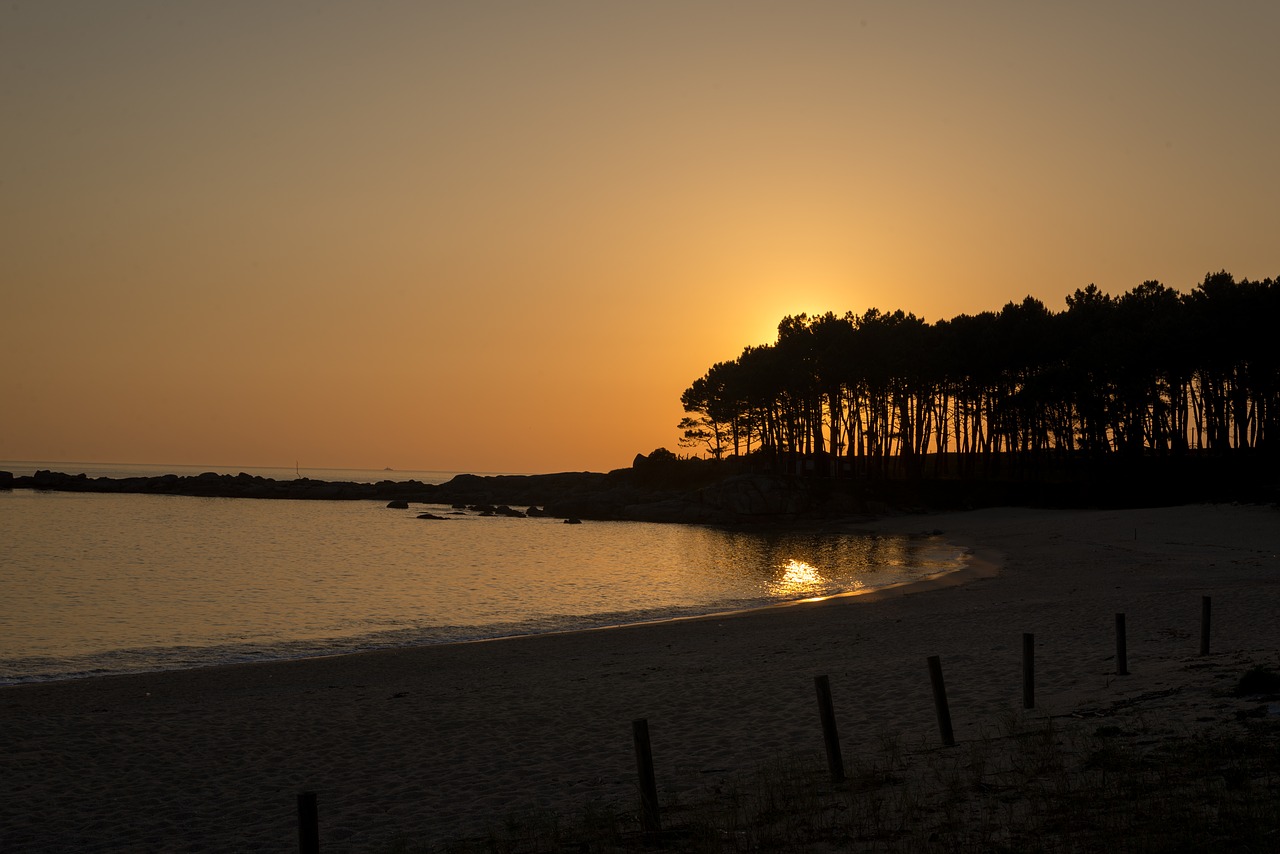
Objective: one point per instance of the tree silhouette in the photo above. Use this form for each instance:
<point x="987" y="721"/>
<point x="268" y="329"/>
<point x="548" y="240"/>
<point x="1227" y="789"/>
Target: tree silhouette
<point x="1149" y="373"/>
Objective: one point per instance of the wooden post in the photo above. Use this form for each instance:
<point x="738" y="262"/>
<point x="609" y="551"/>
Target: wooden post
<point x="650" y="821"/>
<point x="826" y="710"/>
<point x="1122" y="652"/>
<point x="940" y="701"/>
<point x="1204" y="625"/>
<point x="308" y="824"/>
<point x="1028" y="671"/>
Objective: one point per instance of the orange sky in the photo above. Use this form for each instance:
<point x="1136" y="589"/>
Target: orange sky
<point x="505" y="236"/>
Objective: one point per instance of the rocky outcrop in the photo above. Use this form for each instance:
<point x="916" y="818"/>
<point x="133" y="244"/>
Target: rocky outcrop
<point x="521" y="490"/>
<point x="214" y="485"/>
<point x="684" y="510"/>
<point x="739" y="499"/>
<point x="753" y="496"/>
<point x="617" y="495"/>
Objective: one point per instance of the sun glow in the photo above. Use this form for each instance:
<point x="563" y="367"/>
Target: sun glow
<point x="779" y="300"/>
<point x="166" y="196"/>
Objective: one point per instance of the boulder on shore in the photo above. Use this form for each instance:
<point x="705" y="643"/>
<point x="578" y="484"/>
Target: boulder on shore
<point x="755" y="496"/>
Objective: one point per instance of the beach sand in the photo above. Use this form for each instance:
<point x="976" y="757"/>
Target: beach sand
<point x="440" y="742"/>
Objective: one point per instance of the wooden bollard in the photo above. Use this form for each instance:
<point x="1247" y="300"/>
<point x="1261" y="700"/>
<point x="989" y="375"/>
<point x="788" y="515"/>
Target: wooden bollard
<point x="1028" y="671"/>
<point x="1204" y="624"/>
<point x="308" y="824"/>
<point x="1122" y="649"/>
<point x="650" y="821"/>
<point x="826" y="710"/>
<point x="940" y="701"/>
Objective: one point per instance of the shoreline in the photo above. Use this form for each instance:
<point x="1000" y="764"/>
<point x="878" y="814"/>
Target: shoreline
<point x="442" y="742"/>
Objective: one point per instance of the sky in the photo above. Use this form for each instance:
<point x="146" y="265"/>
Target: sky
<point x="505" y="236"/>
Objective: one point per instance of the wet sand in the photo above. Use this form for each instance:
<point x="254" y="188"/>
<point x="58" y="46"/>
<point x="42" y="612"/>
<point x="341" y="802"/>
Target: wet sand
<point x="440" y="742"/>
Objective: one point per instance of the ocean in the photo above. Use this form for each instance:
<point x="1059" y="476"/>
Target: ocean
<point x="95" y="584"/>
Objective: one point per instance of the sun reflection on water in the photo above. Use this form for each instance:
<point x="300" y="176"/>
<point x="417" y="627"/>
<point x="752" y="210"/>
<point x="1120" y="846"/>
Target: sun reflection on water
<point x="801" y="580"/>
<point x="798" y="578"/>
<point x="798" y="575"/>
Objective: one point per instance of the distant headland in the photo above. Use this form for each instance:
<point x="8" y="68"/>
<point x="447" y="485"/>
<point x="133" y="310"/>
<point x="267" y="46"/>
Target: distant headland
<point x="663" y="487"/>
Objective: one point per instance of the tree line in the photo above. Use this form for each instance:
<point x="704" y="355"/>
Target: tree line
<point x="1150" y="372"/>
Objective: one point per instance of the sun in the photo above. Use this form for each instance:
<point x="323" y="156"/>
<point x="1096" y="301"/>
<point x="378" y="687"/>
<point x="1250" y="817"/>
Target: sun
<point x="769" y="320"/>
<point x="751" y="318"/>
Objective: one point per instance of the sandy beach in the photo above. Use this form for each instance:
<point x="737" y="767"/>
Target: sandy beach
<point x="438" y="743"/>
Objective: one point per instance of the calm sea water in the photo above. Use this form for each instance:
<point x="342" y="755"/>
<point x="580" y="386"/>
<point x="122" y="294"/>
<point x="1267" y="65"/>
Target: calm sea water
<point x="94" y="584"/>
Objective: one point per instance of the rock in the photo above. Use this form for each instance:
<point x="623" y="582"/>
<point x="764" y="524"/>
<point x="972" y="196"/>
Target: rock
<point x="432" y="517"/>
<point x="573" y="521"/>
<point x="754" y="495"/>
<point x="398" y="505"/>
<point x="681" y="510"/>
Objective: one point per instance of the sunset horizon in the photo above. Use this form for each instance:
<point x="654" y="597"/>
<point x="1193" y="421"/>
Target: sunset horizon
<point x="506" y="238"/>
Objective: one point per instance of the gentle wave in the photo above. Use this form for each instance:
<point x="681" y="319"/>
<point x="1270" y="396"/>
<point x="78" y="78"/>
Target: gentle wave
<point x="152" y="659"/>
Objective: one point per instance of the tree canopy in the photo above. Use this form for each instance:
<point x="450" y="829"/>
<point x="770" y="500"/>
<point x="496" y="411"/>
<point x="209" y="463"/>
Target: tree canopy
<point x="1151" y="372"/>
